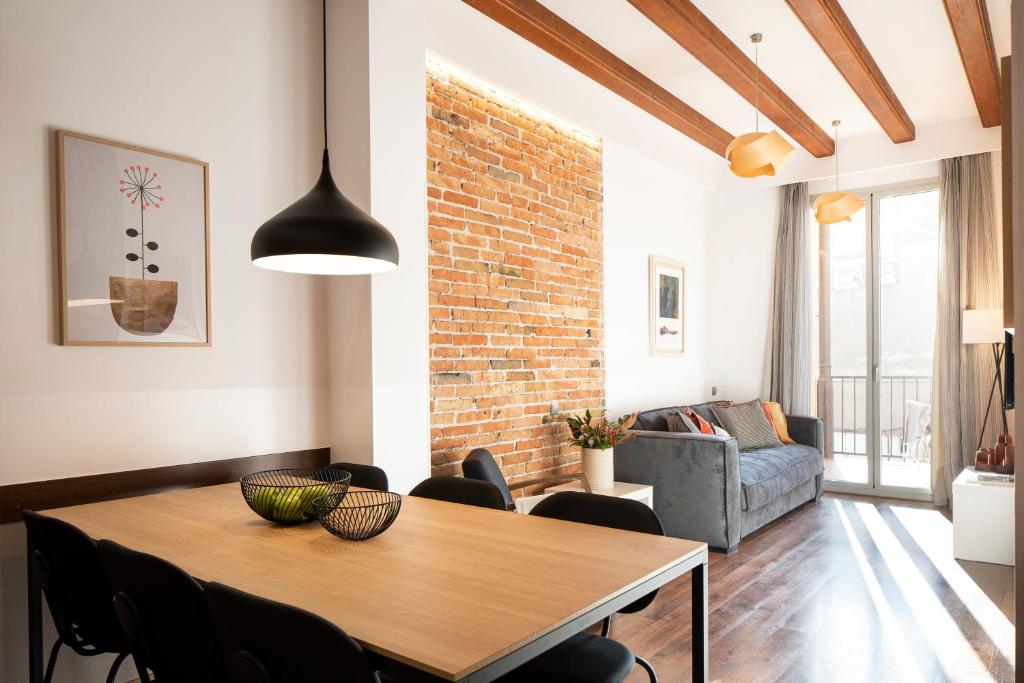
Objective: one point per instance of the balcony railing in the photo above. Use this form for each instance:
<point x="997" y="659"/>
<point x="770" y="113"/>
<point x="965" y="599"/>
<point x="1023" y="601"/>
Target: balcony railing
<point x="904" y="414"/>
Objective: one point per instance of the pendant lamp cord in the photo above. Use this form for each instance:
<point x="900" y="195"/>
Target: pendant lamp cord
<point x="324" y="22"/>
<point x="835" y="127"/>
<point x="757" y="73"/>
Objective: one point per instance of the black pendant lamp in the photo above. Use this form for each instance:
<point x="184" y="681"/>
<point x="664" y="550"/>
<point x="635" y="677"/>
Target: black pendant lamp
<point x="324" y="233"/>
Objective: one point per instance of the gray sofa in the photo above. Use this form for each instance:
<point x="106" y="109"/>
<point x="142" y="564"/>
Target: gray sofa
<point x="706" y="489"/>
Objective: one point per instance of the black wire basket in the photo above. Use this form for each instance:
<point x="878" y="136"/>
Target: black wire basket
<point x="288" y="496"/>
<point x="358" y="515"/>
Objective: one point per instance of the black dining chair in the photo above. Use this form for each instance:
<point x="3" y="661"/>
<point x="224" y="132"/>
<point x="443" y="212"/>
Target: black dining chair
<point x="587" y="657"/>
<point x="78" y="593"/>
<point x="263" y="641"/>
<point x="165" y="616"/>
<point x="481" y="466"/>
<point x="363" y="476"/>
<point x="460" y="490"/>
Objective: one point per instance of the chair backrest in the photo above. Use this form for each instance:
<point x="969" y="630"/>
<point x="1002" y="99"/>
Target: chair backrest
<point x="77" y="590"/>
<point x="480" y="465"/>
<point x="609" y="511"/>
<point x="263" y="641"/>
<point x="364" y="476"/>
<point x="460" y="490"/>
<point x="164" y="615"/>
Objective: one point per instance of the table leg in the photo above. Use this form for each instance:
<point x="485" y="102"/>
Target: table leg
<point x="699" y="651"/>
<point x="35" y="622"/>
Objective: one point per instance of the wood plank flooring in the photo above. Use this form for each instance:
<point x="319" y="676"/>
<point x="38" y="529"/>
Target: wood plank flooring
<point x="846" y="589"/>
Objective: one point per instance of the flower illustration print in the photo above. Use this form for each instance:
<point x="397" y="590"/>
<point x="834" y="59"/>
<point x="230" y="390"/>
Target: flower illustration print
<point x="139" y="185"/>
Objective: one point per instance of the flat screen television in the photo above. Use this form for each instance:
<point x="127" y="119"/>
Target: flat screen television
<point x="1008" y="372"/>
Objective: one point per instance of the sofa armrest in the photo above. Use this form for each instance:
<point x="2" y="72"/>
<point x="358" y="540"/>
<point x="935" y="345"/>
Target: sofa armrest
<point x="696" y="482"/>
<point x="807" y="430"/>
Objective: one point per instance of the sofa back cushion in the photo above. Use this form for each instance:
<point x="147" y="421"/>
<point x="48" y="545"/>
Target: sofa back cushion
<point x="655" y="420"/>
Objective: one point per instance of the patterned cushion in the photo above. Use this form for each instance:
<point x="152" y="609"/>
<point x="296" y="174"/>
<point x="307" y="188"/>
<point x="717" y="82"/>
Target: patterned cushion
<point x="748" y="423"/>
<point x="675" y="422"/>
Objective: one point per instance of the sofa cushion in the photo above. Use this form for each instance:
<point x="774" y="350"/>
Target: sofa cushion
<point x="655" y="420"/>
<point x="748" y="423"/>
<point x="769" y="473"/>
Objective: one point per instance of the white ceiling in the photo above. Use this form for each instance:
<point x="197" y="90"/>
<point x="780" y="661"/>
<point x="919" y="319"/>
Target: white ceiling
<point x="909" y="39"/>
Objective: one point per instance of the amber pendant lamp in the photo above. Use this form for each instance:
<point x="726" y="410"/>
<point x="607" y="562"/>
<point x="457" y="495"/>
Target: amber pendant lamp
<point x="324" y="232"/>
<point x="755" y="154"/>
<point x="833" y="207"/>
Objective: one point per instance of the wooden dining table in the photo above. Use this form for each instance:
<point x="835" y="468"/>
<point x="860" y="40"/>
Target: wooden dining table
<point x="449" y="593"/>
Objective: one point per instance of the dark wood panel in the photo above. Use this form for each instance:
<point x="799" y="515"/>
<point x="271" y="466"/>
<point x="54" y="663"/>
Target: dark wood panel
<point x="545" y="29"/>
<point x="973" y="34"/>
<point x="699" y="36"/>
<point x="828" y="24"/>
<point x="45" y="495"/>
<point x="848" y="588"/>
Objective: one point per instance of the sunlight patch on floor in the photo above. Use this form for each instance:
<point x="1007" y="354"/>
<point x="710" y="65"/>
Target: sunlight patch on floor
<point x="934" y="534"/>
<point x="959" y="660"/>
<point x="892" y="628"/>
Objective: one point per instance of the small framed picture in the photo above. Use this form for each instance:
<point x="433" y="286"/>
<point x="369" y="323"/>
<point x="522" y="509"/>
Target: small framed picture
<point x="134" y="240"/>
<point x="668" y="306"/>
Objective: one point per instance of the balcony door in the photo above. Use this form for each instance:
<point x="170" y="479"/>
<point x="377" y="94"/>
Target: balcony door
<point x="876" y="304"/>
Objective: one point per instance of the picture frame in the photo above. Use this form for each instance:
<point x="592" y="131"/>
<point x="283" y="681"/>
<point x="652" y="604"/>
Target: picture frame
<point x="667" y="306"/>
<point x="133" y="245"/>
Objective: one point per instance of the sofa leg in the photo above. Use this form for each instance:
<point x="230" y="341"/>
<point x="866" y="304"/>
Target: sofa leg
<point x="724" y="551"/>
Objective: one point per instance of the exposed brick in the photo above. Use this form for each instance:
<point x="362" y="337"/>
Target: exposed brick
<point x="516" y="273"/>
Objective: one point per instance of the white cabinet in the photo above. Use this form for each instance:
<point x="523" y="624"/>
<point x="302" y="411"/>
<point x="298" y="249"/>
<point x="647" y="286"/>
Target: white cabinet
<point x="982" y="519"/>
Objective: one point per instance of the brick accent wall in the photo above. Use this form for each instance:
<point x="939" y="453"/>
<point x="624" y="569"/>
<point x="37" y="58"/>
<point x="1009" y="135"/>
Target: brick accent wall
<point x="516" y="251"/>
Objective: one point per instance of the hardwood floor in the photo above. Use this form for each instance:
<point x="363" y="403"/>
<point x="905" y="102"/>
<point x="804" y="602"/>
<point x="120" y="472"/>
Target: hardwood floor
<point x="847" y="589"/>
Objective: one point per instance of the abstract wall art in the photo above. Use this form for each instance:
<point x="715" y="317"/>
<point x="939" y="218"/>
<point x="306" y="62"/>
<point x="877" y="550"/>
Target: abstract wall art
<point x="668" y="306"/>
<point x="134" y="245"/>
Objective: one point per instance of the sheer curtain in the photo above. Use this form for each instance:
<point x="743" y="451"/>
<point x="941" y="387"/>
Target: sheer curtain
<point x="788" y="373"/>
<point x="969" y="277"/>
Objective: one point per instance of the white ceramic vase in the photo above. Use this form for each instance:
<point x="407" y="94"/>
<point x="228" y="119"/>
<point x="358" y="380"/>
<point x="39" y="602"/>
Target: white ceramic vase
<point x="599" y="466"/>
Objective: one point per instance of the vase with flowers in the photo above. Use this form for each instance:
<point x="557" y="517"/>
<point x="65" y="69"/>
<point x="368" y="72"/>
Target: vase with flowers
<point x="598" y="438"/>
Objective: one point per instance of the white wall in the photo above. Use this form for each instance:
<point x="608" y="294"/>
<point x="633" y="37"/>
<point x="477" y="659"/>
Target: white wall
<point x="649" y="209"/>
<point x="741" y="247"/>
<point x="236" y="89"/>
<point x="234" y="83"/>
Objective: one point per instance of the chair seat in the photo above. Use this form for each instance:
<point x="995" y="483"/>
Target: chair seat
<point x="584" y="658"/>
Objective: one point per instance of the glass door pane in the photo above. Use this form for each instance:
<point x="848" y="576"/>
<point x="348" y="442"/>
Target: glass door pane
<point x="842" y="386"/>
<point x="908" y="247"/>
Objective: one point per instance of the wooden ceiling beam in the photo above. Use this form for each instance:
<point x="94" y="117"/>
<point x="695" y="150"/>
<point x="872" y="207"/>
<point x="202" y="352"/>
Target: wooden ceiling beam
<point x="973" y="34"/>
<point x="545" y="29"/>
<point x="828" y="24"/>
<point x="698" y="35"/>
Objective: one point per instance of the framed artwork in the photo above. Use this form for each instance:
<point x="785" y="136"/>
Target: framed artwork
<point x="134" y="245"/>
<point x="668" y="307"/>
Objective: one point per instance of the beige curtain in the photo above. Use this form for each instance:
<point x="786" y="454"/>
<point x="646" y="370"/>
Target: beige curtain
<point x="969" y="277"/>
<point x="789" y="340"/>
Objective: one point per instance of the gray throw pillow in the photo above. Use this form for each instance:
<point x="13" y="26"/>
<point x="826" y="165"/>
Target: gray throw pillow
<point x="675" y="424"/>
<point x="748" y="423"/>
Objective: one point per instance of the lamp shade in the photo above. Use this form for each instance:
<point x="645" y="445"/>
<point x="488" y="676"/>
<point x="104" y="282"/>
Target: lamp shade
<point x="982" y="326"/>
<point x="833" y="207"/>
<point x="755" y="154"/>
<point x="324" y="233"/>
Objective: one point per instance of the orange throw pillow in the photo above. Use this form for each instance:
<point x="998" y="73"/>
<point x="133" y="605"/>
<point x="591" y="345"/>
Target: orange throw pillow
<point x="777" y="419"/>
<point x="705" y="426"/>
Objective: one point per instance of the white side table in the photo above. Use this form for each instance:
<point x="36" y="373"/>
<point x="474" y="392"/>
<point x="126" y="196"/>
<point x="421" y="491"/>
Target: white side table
<point x="620" y="489"/>
<point x="982" y="519"/>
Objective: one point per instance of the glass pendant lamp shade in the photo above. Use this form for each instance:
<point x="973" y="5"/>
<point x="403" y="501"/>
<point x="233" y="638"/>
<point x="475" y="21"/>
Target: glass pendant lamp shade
<point x="756" y="154"/>
<point x="324" y="233"/>
<point x="833" y="207"/>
